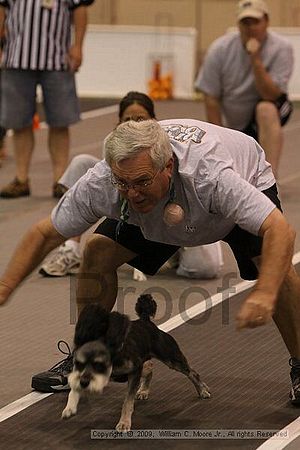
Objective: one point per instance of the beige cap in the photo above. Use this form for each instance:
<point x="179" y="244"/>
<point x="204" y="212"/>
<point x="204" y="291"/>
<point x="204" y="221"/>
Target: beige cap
<point x="252" y="8"/>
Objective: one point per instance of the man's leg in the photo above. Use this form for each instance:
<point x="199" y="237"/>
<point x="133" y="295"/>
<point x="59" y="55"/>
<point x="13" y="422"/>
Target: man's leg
<point x="287" y="319"/>
<point x="62" y="110"/>
<point x="23" y="147"/>
<point x="97" y="278"/>
<point x="59" y="144"/>
<point x="270" y="134"/>
<point x="17" y="109"/>
<point x="287" y="314"/>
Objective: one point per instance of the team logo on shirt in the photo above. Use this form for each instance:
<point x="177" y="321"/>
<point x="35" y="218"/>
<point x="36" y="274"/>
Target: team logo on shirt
<point x="190" y="229"/>
<point x="184" y="133"/>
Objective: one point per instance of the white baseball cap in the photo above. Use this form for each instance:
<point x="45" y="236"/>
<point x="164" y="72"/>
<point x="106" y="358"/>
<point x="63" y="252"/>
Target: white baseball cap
<point x="252" y="8"/>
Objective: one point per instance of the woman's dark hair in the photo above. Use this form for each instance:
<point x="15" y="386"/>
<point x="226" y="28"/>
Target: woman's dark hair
<point x="139" y="98"/>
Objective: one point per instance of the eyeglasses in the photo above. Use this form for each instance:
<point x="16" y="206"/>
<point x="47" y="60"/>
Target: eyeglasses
<point x="137" y="186"/>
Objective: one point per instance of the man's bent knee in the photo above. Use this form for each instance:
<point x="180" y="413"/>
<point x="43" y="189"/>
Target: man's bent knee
<point x="265" y="111"/>
<point x="102" y="254"/>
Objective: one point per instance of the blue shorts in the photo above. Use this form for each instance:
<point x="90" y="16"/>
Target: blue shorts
<point x="19" y="97"/>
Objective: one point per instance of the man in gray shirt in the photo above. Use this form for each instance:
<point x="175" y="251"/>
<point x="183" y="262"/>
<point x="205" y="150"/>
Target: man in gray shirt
<point x="168" y="184"/>
<point x="244" y="78"/>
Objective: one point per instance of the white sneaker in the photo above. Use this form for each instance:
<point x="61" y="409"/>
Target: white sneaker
<point x="63" y="262"/>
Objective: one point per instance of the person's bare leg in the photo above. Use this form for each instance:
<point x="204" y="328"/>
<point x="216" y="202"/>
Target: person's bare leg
<point x="59" y="144"/>
<point x="97" y="278"/>
<point x="287" y="313"/>
<point x="270" y="133"/>
<point x="23" y="140"/>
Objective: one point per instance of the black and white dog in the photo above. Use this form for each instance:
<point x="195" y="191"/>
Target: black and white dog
<point x="110" y="346"/>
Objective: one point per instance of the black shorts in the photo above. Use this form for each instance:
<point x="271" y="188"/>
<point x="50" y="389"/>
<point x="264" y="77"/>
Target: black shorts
<point x="246" y="246"/>
<point x="152" y="255"/>
<point x="285" y="109"/>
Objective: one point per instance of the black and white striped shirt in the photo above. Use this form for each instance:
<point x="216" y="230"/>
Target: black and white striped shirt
<point x="38" y="33"/>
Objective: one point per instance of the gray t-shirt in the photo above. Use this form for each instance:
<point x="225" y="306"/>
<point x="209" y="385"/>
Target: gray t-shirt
<point x="227" y="74"/>
<point x="218" y="178"/>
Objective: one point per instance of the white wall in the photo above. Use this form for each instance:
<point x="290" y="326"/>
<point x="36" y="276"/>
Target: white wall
<point x="118" y="59"/>
<point x="293" y="36"/>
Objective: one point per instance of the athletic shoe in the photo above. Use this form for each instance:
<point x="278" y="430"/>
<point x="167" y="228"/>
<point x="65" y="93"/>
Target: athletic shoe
<point x="56" y="378"/>
<point x="295" y="377"/>
<point x="63" y="262"/>
<point x="15" y="189"/>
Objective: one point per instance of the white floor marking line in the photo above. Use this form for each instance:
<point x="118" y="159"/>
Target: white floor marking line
<point x="22" y="403"/>
<point x="100" y="112"/>
<point x="204" y="306"/>
<point x="91" y="114"/>
<point x="279" y="443"/>
<point x="34" y="397"/>
<point x="209" y="303"/>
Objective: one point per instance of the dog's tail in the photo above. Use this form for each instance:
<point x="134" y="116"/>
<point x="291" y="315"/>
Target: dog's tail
<point x="145" y="307"/>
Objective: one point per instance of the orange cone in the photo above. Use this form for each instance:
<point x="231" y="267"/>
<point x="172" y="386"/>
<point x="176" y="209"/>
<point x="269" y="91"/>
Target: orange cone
<point x="36" y="122"/>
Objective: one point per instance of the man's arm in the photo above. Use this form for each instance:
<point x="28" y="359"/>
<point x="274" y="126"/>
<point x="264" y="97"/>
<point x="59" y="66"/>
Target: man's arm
<point x="265" y="85"/>
<point x="80" y="24"/>
<point x="213" y="109"/>
<point x="35" y="245"/>
<point x="277" y="252"/>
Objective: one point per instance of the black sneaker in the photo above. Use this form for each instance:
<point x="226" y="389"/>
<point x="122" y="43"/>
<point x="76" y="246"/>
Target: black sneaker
<point x="295" y="377"/>
<point x="55" y="379"/>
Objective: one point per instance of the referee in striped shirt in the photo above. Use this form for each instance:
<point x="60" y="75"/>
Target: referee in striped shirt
<point x="38" y="50"/>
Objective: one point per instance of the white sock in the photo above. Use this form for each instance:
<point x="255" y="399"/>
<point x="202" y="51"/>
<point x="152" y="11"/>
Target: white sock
<point x="74" y="245"/>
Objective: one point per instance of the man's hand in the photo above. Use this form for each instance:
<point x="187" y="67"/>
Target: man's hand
<point x="75" y="58"/>
<point x="257" y="310"/>
<point x="253" y="46"/>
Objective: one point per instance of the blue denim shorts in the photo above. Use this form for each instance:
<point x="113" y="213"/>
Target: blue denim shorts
<point x="19" y="97"/>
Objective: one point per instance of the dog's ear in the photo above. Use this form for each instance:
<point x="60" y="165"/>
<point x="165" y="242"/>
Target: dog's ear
<point x="92" y="324"/>
<point x="117" y="331"/>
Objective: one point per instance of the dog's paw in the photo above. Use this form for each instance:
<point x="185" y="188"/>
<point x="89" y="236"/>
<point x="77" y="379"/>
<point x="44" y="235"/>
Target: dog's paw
<point x="204" y="391"/>
<point x="68" y="412"/>
<point x="138" y="275"/>
<point x="123" y="426"/>
<point x="142" y="394"/>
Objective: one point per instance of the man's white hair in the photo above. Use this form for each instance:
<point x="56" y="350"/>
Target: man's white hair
<point x="131" y="138"/>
